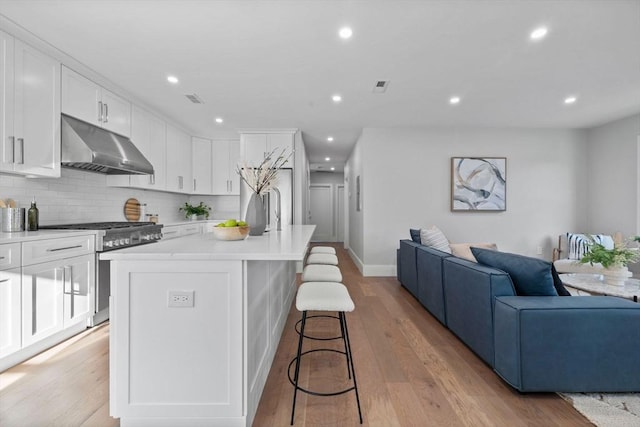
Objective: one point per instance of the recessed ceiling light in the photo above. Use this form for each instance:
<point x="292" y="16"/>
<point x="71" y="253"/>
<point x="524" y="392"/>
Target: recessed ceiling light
<point x="219" y="120"/>
<point x="332" y="168"/>
<point x="336" y="98"/>
<point x="345" y="33"/>
<point x="454" y="100"/>
<point x="172" y="79"/>
<point x="570" y="99"/>
<point x="326" y="159"/>
<point x="538" y="33"/>
<point x="330" y="139"/>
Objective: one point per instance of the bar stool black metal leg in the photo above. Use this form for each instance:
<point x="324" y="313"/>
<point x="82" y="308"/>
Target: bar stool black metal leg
<point x="346" y="351"/>
<point x="297" y="372"/>
<point x="355" y="384"/>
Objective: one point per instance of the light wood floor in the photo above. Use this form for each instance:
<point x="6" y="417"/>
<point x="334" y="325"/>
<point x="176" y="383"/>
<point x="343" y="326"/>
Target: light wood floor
<point x="411" y="372"/>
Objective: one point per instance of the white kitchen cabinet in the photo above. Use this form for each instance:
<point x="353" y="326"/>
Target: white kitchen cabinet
<point x="256" y="145"/>
<point x="29" y="110"/>
<point x="181" y="230"/>
<point x="149" y="135"/>
<point x="179" y="176"/>
<point x="90" y="102"/>
<point x="225" y="158"/>
<point x="201" y="161"/>
<point x="57" y="280"/>
<point x="10" y="290"/>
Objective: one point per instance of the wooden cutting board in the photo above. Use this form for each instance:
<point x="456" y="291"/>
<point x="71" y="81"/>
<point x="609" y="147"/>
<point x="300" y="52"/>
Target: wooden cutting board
<point x="132" y="210"/>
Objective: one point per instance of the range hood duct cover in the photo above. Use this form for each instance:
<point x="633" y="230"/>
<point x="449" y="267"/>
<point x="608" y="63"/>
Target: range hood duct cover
<point x="90" y="148"/>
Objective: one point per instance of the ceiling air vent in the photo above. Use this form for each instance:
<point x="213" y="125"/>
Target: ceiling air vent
<point x="380" y="86"/>
<point x="194" y="98"/>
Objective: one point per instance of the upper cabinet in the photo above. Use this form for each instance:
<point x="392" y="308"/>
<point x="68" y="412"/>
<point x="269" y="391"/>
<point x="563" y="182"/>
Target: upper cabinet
<point x="88" y="101"/>
<point x="29" y="110"/>
<point x="201" y="161"/>
<point x="255" y="145"/>
<point x="149" y="134"/>
<point x="179" y="175"/>
<point x="225" y="157"/>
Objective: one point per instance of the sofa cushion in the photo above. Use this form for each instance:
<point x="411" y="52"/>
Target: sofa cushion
<point x="435" y="238"/>
<point x="415" y="234"/>
<point x="463" y="250"/>
<point x="530" y="276"/>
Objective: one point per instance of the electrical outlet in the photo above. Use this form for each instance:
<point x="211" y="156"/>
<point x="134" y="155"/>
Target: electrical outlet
<point x="539" y="250"/>
<point x="180" y="299"/>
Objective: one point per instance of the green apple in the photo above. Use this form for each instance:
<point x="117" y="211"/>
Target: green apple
<point x="231" y="223"/>
<point x="242" y="224"/>
<point x="220" y="225"/>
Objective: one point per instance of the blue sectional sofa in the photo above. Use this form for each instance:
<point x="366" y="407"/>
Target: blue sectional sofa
<point x="535" y="343"/>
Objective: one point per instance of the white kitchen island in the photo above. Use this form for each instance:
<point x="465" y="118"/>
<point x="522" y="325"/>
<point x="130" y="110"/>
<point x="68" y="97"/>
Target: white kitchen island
<point x="203" y="363"/>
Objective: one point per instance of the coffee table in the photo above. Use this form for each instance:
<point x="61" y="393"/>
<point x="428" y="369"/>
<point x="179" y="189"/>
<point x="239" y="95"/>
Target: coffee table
<point x="594" y="284"/>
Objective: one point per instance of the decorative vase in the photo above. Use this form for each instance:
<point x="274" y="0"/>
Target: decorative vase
<point x="616" y="276"/>
<point x="256" y="215"/>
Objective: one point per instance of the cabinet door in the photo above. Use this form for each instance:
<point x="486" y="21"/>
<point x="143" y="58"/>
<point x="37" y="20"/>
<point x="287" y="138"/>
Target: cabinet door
<point x="79" y="280"/>
<point x="234" y="158"/>
<point x="201" y="160"/>
<point x="221" y="168"/>
<point x="149" y="134"/>
<point x="116" y="113"/>
<point x="279" y="142"/>
<point x="254" y="148"/>
<point x="81" y="98"/>
<point x="178" y="161"/>
<point x="10" y="317"/>
<point x="7" y="143"/>
<point x="42" y="301"/>
<point x="37" y="112"/>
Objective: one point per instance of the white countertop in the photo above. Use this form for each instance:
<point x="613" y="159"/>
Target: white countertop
<point x="25" y="236"/>
<point x="288" y="244"/>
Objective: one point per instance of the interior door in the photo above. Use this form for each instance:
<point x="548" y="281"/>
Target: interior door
<point x="322" y="212"/>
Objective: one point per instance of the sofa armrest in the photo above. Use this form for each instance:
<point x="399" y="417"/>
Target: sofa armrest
<point x="576" y="344"/>
<point x="407" y="266"/>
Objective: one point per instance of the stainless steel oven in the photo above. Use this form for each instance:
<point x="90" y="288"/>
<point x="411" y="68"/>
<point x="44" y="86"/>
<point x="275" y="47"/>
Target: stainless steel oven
<point x="111" y="236"/>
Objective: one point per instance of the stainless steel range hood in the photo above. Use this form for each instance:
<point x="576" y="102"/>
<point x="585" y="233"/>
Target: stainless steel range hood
<point x="88" y="147"/>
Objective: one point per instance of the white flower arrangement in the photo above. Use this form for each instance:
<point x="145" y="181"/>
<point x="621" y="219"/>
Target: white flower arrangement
<point x="262" y="178"/>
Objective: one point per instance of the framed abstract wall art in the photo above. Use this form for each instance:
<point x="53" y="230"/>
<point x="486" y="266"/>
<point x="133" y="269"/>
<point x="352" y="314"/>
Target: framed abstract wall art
<point x="478" y="184"/>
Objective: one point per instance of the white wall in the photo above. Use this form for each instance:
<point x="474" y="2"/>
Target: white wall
<point x="80" y="196"/>
<point x="354" y="168"/>
<point x="613" y="177"/>
<point x="406" y="182"/>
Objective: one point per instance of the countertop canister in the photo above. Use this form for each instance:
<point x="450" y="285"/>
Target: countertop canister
<point x="12" y="220"/>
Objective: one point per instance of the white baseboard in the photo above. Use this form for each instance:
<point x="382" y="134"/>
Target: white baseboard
<point x="372" y="270"/>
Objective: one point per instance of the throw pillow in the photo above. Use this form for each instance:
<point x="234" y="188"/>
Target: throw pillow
<point x="435" y="238"/>
<point x="557" y="283"/>
<point x="415" y="235"/>
<point x="530" y="276"/>
<point x="463" y="250"/>
<point x="578" y="244"/>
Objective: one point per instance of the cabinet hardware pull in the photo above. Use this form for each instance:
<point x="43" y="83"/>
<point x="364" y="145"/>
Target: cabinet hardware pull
<point x="63" y="249"/>
<point x="99" y="111"/>
<point x="152" y="179"/>
<point x="194" y="184"/>
<point x="180" y="183"/>
<point x="4" y="280"/>
<point x="230" y="186"/>
<point x="21" y="141"/>
<point x="13" y="149"/>
<point x="106" y="113"/>
<point x="1" y="257"/>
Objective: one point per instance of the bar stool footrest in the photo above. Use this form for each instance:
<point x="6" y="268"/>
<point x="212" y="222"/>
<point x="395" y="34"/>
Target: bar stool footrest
<point x="297" y="328"/>
<point x="316" y="393"/>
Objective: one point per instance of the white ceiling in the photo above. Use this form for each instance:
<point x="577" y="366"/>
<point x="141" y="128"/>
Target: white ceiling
<point x="275" y="64"/>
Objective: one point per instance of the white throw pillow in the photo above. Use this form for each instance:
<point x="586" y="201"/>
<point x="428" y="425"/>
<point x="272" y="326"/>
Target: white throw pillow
<point x="434" y="238"/>
<point x="463" y="250"/>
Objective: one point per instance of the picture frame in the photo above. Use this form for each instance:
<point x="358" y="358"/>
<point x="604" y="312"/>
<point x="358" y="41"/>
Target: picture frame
<point x="478" y="184"/>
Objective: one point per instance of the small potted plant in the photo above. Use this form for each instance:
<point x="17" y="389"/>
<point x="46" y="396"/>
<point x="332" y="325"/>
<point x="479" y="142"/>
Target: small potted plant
<point x="614" y="261"/>
<point x="192" y="212"/>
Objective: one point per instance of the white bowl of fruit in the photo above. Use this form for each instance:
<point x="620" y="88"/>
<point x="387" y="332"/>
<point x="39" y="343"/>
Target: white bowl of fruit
<point x="231" y="229"/>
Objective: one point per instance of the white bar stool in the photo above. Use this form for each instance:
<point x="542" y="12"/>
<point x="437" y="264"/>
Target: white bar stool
<point x="322" y="259"/>
<point x="321" y="273"/>
<point x="323" y="250"/>
<point x="323" y="296"/>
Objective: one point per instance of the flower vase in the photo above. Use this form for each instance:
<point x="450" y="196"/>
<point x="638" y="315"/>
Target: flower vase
<point x="256" y="215"/>
<point x="616" y="276"/>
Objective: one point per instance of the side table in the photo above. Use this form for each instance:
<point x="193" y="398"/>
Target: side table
<point x="593" y="284"/>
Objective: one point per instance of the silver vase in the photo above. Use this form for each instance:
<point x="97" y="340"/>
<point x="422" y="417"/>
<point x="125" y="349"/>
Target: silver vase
<point x="256" y="215"/>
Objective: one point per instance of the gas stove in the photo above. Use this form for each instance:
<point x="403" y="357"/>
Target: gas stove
<point x="116" y="235"/>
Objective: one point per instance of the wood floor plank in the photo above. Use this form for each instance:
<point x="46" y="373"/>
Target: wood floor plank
<point x="411" y="370"/>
